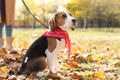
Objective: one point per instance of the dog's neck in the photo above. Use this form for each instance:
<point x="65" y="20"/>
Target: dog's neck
<point x="62" y="34"/>
<point x="63" y="28"/>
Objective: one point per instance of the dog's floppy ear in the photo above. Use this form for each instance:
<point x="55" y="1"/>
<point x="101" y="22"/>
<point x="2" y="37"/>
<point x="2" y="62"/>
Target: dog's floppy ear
<point x="52" y="22"/>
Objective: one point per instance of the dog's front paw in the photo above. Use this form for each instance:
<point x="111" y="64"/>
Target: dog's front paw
<point x="57" y="70"/>
<point x="41" y="74"/>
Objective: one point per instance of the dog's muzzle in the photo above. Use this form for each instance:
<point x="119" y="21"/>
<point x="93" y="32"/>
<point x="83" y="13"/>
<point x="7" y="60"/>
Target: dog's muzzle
<point x="74" y="21"/>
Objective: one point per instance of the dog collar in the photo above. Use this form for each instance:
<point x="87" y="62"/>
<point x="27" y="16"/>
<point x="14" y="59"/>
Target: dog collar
<point x="59" y="33"/>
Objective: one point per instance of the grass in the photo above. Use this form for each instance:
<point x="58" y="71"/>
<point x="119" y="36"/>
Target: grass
<point x="93" y="36"/>
<point x="24" y="34"/>
<point x="78" y="34"/>
<point x="95" y="33"/>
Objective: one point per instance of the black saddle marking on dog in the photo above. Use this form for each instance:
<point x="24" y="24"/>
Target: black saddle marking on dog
<point x="36" y="50"/>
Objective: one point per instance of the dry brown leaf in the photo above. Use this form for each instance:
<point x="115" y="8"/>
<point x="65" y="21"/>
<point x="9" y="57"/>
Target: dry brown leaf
<point x="117" y="64"/>
<point x="2" y="78"/>
<point x="10" y="56"/>
<point x="75" y="76"/>
<point x="80" y="59"/>
<point x="73" y="64"/>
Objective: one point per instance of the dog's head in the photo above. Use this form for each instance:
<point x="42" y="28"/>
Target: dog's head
<point x="62" y="19"/>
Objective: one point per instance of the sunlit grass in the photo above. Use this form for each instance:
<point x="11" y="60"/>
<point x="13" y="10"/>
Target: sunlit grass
<point x="95" y="33"/>
<point x="103" y="37"/>
<point x="24" y="34"/>
<point x="78" y="34"/>
<point x="92" y="34"/>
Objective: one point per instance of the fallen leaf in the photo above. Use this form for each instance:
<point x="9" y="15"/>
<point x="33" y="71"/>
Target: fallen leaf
<point x="117" y="64"/>
<point x="2" y="62"/>
<point x="54" y="76"/>
<point x="80" y="59"/>
<point x="11" y="57"/>
<point x="99" y="74"/>
<point x="75" y="76"/>
<point x="2" y="78"/>
<point x="4" y="69"/>
<point x="13" y="77"/>
<point x="73" y="64"/>
<point x="25" y="44"/>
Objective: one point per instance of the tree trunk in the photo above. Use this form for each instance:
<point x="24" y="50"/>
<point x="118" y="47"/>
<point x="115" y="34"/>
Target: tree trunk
<point x="85" y="23"/>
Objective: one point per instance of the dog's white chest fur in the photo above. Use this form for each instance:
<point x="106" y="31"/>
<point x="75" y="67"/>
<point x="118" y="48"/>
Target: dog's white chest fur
<point x="52" y="56"/>
<point x="60" y="44"/>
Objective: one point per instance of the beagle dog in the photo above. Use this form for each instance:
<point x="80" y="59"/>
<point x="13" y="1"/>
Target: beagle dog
<point x="43" y="52"/>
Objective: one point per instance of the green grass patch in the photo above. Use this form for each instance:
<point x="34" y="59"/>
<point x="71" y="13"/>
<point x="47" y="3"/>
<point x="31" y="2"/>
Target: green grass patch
<point x="98" y="37"/>
<point x="78" y="34"/>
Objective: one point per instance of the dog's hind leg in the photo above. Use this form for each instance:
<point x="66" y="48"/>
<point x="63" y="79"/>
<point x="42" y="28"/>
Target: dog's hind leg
<point x="23" y="66"/>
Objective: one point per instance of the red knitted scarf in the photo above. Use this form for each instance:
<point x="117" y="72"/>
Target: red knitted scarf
<point x="59" y="33"/>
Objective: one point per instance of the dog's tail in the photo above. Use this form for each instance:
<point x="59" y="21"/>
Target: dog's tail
<point x="34" y="65"/>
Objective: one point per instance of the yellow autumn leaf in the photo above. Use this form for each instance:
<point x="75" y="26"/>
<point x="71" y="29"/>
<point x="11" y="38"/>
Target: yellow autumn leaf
<point x="99" y="74"/>
<point x="65" y="64"/>
<point x="88" y="72"/>
<point x="25" y="44"/>
<point x="63" y="72"/>
<point x="54" y="76"/>
<point x="4" y="69"/>
<point x="77" y="50"/>
<point x="97" y="57"/>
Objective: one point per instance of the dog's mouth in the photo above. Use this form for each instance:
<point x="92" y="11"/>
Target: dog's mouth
<point x="72" y="29"/>
<point x="74" y="25"/>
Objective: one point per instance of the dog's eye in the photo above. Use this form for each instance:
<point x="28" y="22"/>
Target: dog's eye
<point x="70" y="14"/>
<point x="64" y="16"/>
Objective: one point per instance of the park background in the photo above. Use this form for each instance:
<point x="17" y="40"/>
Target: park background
<point x="89" y="13"/>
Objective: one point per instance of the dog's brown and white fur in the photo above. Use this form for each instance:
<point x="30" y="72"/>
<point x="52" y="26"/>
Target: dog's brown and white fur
<point x="61" y="19"/>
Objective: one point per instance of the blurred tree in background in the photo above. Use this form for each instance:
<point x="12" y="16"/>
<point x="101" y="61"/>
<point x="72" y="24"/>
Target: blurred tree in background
<point x="89" y="13"/>
<point x="39" y="9"/>
<point x="96" y="13"/>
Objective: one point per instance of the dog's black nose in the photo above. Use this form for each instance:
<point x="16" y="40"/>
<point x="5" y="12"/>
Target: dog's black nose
<point x="74" y="20"/>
